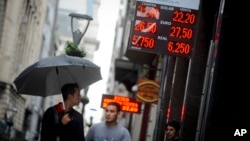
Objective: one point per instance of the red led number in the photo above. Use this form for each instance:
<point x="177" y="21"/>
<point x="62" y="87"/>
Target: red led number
<point x="146" y="27"/>
<point x="178" y="47"/>
<point x="184" y="17"/>
<point x="143" y="41"/>
<point x="181" y="32"/>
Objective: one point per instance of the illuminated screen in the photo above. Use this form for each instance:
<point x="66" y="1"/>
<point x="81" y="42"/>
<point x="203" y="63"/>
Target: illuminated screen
<point x="127" y="104"/>
<point x="163" y="29"/>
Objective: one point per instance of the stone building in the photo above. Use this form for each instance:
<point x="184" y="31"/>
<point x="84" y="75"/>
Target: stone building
<point x="22" y="39"/>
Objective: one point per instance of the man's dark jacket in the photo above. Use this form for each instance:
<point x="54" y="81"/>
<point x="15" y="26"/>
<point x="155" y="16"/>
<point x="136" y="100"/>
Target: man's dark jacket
<point x="52" y="127"/>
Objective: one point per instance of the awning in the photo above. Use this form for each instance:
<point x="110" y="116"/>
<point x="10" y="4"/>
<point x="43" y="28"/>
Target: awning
<point x="140" y="57"/>
<point x="126" y="72"/>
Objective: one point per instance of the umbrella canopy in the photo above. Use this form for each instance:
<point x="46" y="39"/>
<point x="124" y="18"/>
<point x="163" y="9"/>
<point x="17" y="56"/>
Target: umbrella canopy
<point x="48" y="75"/>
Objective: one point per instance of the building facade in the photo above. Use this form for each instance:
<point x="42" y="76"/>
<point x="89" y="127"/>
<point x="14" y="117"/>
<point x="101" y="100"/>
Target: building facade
<point x="21" y="43"/>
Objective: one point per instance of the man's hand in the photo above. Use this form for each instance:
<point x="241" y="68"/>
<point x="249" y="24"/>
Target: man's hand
<point x="66" y="119"/>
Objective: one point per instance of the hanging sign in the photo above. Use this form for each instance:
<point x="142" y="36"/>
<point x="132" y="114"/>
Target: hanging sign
<point x="148" y="91"/>
<point x="164" y="26"/>
<point x="127" y="104"/>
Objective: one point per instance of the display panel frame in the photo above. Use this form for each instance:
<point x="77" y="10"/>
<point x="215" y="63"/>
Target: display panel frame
<point x="172" y="33"/>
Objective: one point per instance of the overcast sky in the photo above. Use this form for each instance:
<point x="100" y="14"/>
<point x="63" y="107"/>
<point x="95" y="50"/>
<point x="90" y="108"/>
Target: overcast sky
<point x="107" y="19"/>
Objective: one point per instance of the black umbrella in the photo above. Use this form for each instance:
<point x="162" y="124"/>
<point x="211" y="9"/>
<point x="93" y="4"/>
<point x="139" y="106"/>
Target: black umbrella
<point x="47" y="76"/>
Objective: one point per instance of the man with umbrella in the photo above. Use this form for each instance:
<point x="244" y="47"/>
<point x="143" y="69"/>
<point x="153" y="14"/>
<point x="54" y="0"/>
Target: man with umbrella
<point x="59" y="74"/>
<point x="61" y="123"/>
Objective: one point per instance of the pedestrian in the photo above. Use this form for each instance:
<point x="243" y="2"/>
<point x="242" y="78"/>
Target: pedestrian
<point x="172" y="130"/>
<point x="62" y="122"/>
<point x="109" y="130"/>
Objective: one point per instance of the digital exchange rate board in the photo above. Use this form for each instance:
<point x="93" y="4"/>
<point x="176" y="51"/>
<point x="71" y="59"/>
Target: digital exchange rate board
<point x="163" y="29"/>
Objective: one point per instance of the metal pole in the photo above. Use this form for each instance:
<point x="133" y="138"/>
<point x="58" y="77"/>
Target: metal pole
<point x="209" y="76"/>
<point x="203" y="96"/>
<point x="161" y="111"/>
<point x="147" y="106"/>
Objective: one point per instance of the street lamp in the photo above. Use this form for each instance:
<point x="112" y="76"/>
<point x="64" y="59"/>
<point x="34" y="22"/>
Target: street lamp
<point x="79" y="27"/>
<point x="77" y="24"/>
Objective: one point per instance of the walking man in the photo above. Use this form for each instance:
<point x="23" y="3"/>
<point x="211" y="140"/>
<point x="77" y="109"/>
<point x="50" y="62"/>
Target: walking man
<point x="109" y="130"/>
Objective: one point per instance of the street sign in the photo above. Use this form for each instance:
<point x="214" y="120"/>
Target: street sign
<point x="164" y="26"/>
